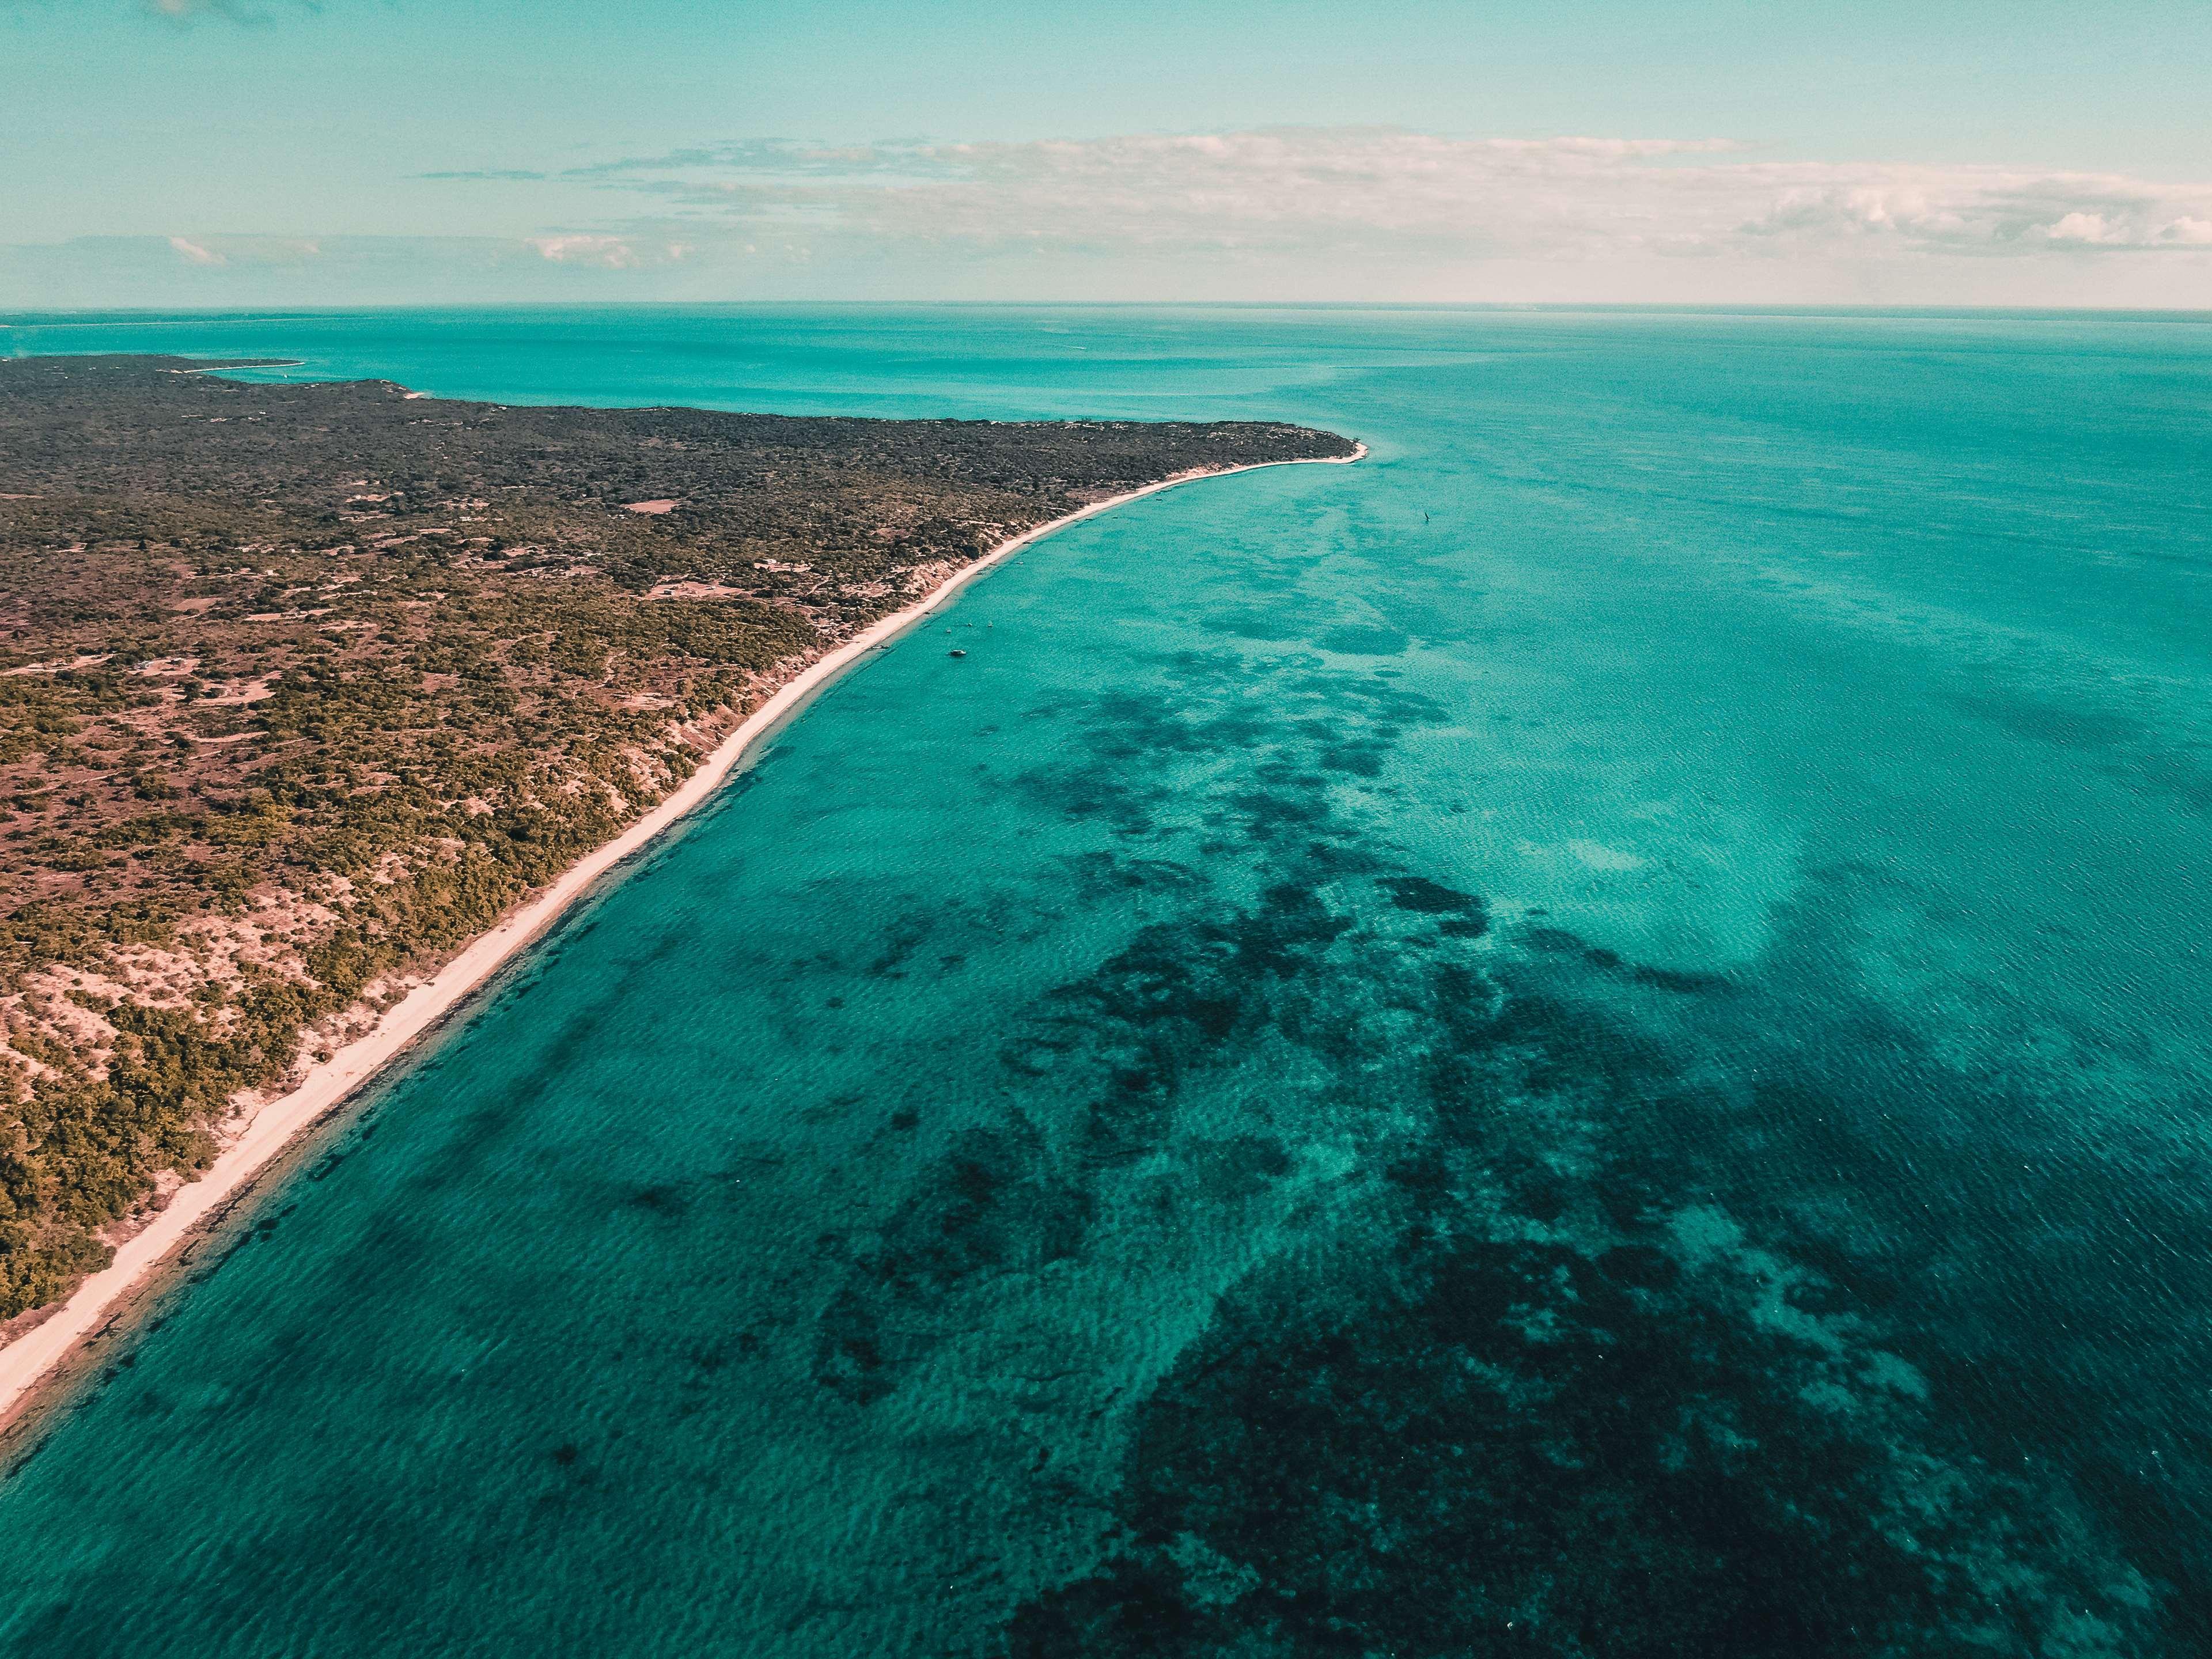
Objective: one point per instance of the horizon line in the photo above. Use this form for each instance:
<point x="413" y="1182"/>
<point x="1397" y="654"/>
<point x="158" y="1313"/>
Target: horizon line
<point x="53" y="316"/>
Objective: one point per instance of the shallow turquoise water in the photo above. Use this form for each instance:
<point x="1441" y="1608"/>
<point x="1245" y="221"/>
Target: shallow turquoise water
<point x="1589" y="1037"/>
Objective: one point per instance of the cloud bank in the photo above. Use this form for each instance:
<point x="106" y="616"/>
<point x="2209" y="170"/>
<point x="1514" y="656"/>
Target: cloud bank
<point x="1297" y="214"/>
<point x="1357" y="194"/>
<point x="235" y="11"/>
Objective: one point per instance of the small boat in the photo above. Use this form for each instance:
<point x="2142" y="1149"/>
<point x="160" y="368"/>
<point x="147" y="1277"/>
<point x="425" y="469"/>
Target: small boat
<point x="959" y="654"/>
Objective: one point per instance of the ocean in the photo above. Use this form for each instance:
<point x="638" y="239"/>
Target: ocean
<point x="1591" y="1036"/>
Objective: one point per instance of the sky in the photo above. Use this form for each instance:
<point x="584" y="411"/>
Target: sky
<point x="218" y="153"/>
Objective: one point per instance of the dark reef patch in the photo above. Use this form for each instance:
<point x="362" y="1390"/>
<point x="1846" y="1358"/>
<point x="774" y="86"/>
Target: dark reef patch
<point x="1559" y="942"/>
<point x="1560" y="1338"/>
<point x="1430" y="898"/>
<point x="1515" y="1458"/>
<point x="1506" y="1408"/>
<point x="993" y="1201"/>
<point x="1687" y="984"/>
<point x="1353" y="641"/>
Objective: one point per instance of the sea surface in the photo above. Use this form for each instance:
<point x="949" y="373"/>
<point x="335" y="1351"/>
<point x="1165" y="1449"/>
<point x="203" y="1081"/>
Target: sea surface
<point x="1591" y="1037"/>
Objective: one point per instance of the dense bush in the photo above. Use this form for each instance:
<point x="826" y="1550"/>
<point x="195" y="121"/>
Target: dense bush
<point x="392" y="662"/>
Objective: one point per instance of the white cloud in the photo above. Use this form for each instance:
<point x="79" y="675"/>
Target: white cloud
<point x="236" y="11"/>
<point x="328" y="269"/>
<point x="2090" y="230"/>
<point x="183" y="11"/>
<point x="1290" y="214"/>
<point x="605" y="253"/>
<point x="1349" y="193"/>
<point x="245" y="250"/>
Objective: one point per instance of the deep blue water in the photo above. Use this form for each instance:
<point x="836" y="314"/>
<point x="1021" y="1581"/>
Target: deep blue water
<point x="1589" y="1037"/>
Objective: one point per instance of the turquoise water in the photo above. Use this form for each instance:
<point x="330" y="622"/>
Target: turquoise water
<point x="1589" y="1037"/>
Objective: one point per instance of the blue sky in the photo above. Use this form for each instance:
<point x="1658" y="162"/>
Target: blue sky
<point x="181" y="152"/>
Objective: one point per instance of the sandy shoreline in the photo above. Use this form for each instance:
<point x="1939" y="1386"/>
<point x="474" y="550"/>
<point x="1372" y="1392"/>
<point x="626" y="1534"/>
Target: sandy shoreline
<point x="44" y="1353"/>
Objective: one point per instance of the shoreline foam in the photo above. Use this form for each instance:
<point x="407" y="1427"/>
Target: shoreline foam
<point x="45" y="1353"/>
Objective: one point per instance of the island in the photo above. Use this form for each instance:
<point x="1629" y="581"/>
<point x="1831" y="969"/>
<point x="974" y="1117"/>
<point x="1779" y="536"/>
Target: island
<point x="318" y="698"/>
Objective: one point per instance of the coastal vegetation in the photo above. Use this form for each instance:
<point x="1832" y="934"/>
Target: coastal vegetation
<point x="302" y="685"/>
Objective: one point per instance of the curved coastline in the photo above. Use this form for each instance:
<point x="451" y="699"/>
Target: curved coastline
<point x="46" y="1356"/>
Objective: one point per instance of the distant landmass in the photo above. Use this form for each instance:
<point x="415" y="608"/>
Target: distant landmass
<point x="302" y="686"/>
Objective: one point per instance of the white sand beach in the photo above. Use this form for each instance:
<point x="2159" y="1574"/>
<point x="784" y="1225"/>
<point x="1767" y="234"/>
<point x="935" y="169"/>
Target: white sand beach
<point x="102" y="1302"/>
